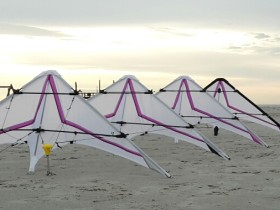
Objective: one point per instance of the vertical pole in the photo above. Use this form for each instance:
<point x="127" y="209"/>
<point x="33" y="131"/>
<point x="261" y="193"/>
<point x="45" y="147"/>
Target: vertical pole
<point x="47" y="148"/>
<point x="48" y="166"/>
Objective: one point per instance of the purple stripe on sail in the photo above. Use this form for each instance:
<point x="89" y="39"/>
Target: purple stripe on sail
<point x="254" y="137"/>
<point x="118" y="104"/>
<point x="17" y="126"/>
<point x="140" y="114"/>
<point x="216" y="90"/>
<point x="239" y="110"/>
<point x="190" y="99"/>
<point x="29" y="122"/>
<point x="206" y="113"/>
<point x="177" y="97"/>
<point x="56" y="98"/>
<point x="62" y="118"/>
<point x="100" y="138"/>
<point x="41" y="99"/>
<point x="193" y="107"/>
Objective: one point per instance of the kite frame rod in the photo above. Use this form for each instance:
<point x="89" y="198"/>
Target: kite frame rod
<point x="163" y="90"/>
<point x="119" y="92"/>
<point x="230" y="118"/>
<point x="238" y="113"/>
<point x="190" y="91"/>
<point x="39" y="130"/>
<point x="40" y="93"/>
<point x="152" y="124"/>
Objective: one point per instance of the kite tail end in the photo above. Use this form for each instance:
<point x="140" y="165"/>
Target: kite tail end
<point x="218" y="152"/>
<point x="159" y="170"/>
<point x="258" y="140"/>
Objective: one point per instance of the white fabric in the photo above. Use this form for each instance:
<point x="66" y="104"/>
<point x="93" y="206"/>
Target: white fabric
<point x="130" y="102"/>
<point x="186" y="97"/>
<point x="49" y="103"/>
<point x="240" y="105"/>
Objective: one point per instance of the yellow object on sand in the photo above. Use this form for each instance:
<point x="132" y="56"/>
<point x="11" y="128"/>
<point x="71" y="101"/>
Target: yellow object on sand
<point x="47" y="148"/>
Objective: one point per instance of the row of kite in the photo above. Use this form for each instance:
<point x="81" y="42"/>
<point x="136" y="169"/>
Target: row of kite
<point x="47" y="110"/>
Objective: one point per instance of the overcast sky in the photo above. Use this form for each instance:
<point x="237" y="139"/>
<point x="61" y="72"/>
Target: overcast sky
<point x="155" y="40"/>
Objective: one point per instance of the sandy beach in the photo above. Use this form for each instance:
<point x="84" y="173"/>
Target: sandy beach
<point x="88" y="178"/>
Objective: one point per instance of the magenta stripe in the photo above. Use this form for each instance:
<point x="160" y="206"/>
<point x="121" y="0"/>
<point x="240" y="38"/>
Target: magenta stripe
<point x="190" y="99"/>
<point x="101" y="138"/>
<point x="177" y="97"/>
<point x="118" y="104"/>
<point x="220" y="84"/>
<point x="29" y="122"/>
<point x="140" y="114"/>
<point x="41" y="99"/>
<point x="239" y="110"/>
<point x="62" y="118"/>
<point x="56" y="98"/>
<point x="17" y="126"/>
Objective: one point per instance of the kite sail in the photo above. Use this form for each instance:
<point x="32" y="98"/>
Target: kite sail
<point x="48" y="111"/>
<point x="238" y="104"/>
<point x="135" y="110"/>
<point x="188" y="100"/>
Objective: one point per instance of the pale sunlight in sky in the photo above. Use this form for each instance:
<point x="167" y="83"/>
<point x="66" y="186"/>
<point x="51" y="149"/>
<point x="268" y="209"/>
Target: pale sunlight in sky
<point x="155" y="44"/>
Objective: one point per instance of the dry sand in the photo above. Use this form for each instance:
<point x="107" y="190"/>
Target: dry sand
<point x="88" y="178"/>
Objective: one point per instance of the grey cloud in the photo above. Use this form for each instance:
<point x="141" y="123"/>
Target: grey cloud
<point x="269" y="45"/>
<point x="261" y="36"/>
<point x="12" y="29"/>
<point x="234" y="48"/>
<point x="275" y="51"/>
<point x="276" y="39"/>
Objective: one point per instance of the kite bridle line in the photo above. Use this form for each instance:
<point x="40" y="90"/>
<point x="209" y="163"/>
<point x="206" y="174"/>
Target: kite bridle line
<point x="8" y="108"/>
<point x="62" y="126"/>
<point x="39" y="130"/>
<point x="16" y="143"/>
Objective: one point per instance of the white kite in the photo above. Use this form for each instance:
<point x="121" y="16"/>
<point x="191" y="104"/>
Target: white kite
<point x="238" y="104"/>
<point x="134" y="110"/>
<point x="47" y="111"/>
<point x="188" y="99"/>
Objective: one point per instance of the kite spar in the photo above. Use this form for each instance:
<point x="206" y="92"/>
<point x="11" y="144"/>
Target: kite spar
<point x="134" y="110"/>
<point x="239" y="105"/>
<point x="188" y="99"/>
<point x="48" y="111"/>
